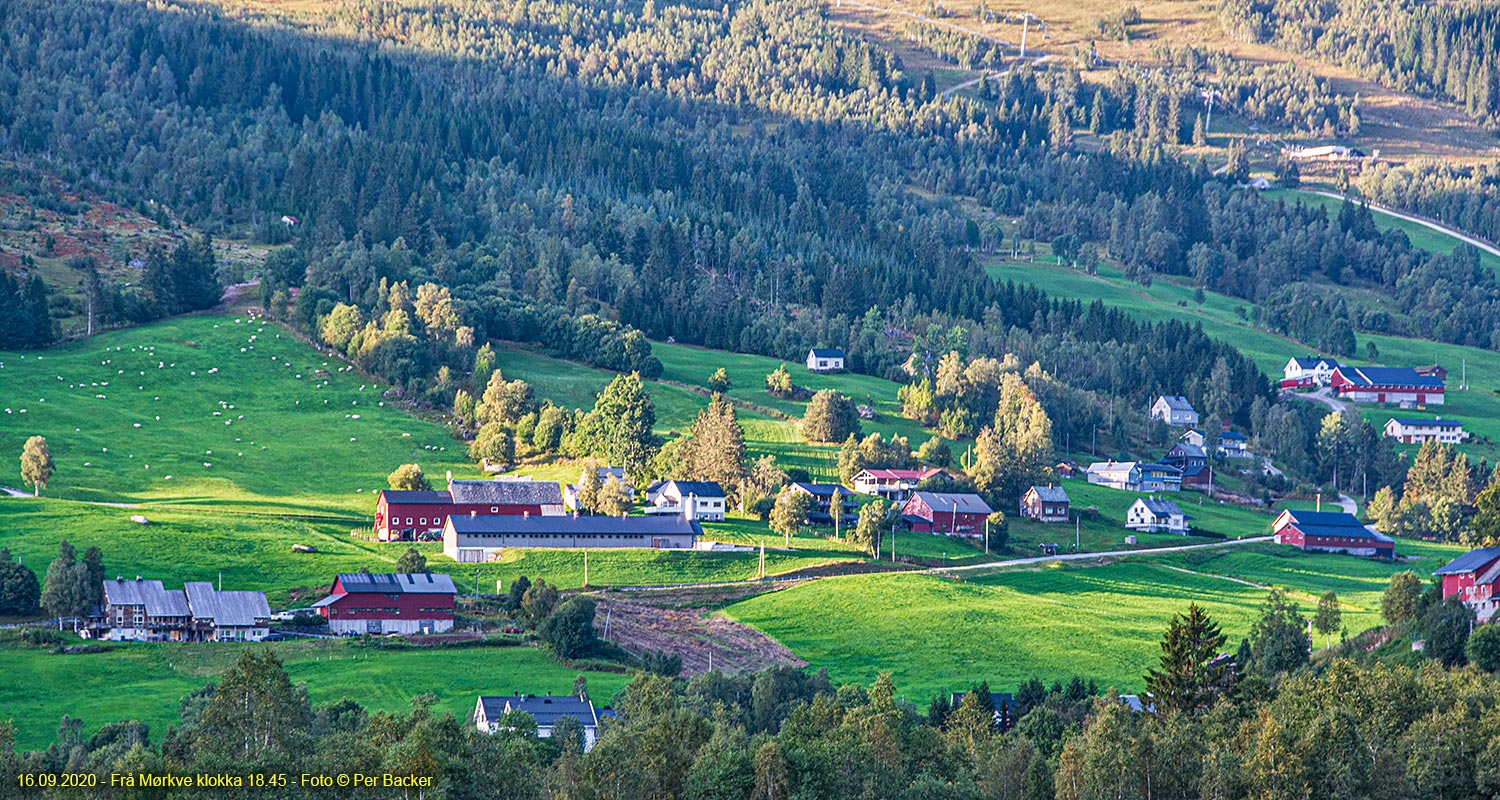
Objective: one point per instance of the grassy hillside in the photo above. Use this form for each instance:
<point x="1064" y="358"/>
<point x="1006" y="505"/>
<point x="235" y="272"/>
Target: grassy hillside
<point x="158" y="675"/>
<point x="211" y="410"/>
<point x="1103" y="622"/>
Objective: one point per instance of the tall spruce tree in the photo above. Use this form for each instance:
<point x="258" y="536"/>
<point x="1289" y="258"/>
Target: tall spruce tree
<point x="1191" y="674"/>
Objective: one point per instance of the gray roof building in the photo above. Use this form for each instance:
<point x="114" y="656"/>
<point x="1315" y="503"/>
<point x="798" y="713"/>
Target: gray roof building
<point x="157" y="601"/>
<point x="227" y="609"/>
<point x="512" y="492"/>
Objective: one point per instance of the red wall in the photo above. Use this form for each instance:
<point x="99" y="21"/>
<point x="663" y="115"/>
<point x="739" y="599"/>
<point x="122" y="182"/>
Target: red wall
<point x="416" y="511"/>
<point x="410" y="604"/>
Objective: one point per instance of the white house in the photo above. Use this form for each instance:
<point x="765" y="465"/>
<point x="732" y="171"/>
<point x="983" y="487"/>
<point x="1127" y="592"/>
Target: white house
<point x="825" y="360"/>
<point x="1116" y="474"/>
<point x="570" y="492"/>
<point x="1174" y="409"/>
<point x="1415" y="431"/>
<point x="1192" y="437"/>
<point x="699" y="500"/>
<point x="1151" y="515"/>
<point x="490" y="712"/>
<point x="1308" y="371"/>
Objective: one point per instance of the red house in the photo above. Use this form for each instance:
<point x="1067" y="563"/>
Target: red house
<point x="942" y="512"/>
<point x="1472" y="578"/>
<point x="362" y="602"/>
<point x="1330" y="532"/>
<point x="404" y="516"/>
<point x="1386" y="385"/>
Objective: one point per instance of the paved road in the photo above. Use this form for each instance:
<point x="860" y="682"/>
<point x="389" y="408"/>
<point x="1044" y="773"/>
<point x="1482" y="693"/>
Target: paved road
<point x="1347" y="503"/>
<point x="1426" y="223"/>
<point x="1016" y="562"/>
<point x="9" y="492"/>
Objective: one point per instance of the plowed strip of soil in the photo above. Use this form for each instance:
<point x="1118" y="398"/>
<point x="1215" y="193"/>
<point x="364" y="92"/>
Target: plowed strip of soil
<point x="693" y="634"/>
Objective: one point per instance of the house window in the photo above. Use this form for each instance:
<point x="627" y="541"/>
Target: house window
<point x="494" y="509"/>
<point x="424" y="520"/>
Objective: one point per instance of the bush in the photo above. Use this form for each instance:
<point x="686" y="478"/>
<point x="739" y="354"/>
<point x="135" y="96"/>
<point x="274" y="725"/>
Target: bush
<point x="662" y="663"/>
<point x="570" y="628"/>
<point x="1484" y="647"/>
<point x="41" y="637"/>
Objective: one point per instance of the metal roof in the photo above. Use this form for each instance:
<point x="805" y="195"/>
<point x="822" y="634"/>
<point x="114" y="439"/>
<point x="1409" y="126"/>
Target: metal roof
<point x="390" y="582"/>
<point x="159" y="602"/>
<point x="822" y="489"/>
<point x="1471" y="561"/>
<point x="1050" y="494"/>
<point x="1427" y="423"/>
<point x="1187" y="450"/>
<point x="899" y="474"/>
<point x="1176" y="402"/>
<point x="1165" y="469"/>
<point x="407" y="497"/>
<point x="1386" y="376"/>
<point x="512" y="492"/>
<point x="949" y="501"/>
<point x="820" y="352"/>
<point x="659" y="524"/>
<point x="697" y="488"/>
<point x="1160" y="508"/>
<point x="546" y="710"/>
<point x="1326" y="519"/>
<point x="237" y="609"/>
<point x="1344" y="531"/>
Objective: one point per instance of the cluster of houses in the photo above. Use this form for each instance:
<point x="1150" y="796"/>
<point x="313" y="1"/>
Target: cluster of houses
<point x="145" y="611"/>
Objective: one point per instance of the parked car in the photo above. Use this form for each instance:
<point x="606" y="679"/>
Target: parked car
<point x="283" y="616"/>
<point x="272" y="637"/>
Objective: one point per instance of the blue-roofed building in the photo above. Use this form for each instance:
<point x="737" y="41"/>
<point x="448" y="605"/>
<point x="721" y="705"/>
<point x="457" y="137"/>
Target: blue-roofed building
<point x="1386" y="385"/>
<point x="1152" y="515"/>
<point x="1331" y="532"/>
<point x="470" y="540"/>
<point x="829" y="359"/>
<point x="491" y="712"/>
<point x="704" y="501"/>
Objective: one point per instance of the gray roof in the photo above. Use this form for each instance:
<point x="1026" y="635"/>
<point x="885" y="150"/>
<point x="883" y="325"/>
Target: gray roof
<point x="1187" y="450"/>
<point x="822" y="489"/>
<point x="661" y="524"/>
<point x="158" y="601"/>
<point x="238" y="609"/>
<point x="514" y="493"/>
<point x="1050" y="494"/>
<point x="949" y="501"/>
<point x="403" y="582"/>
<point x="1177" y="402"/>
<point x="546" y="710"/>
<point x="1470" y="561"/>
<point x="1161" y="508"/>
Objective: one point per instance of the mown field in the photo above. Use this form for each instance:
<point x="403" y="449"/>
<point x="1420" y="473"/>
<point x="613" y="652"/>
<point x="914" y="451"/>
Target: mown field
<point x="217" y="411"/>
<point x="146" y="681"/>
<point x="1103" y="622"/>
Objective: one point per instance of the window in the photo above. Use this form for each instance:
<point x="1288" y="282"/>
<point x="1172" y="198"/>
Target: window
<point x="494" y="509"/>
<point x="424" y="520"/>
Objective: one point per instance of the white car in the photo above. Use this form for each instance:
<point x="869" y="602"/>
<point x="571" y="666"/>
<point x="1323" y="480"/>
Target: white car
<point x="283" y="616"/>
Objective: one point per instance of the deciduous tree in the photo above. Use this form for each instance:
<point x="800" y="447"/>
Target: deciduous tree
<point x="36" y="463"/>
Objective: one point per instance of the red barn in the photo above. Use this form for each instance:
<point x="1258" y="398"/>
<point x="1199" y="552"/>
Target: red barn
<point x="1330" y="532"/>
<point x="942" y="512"/>
<point x="404" y="516"/>
<point x="1386" y="385"/>
<point x="1472" y="578"/>
<point x="362" y="602"/>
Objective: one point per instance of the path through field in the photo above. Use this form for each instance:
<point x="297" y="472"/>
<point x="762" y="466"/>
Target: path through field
<point x="1085" y="556"/>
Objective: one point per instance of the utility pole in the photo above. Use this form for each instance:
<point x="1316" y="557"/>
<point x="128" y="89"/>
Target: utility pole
<point x="1078" y="534"/>
<point x="585" y="569"/>
<point x="986" y="535"/>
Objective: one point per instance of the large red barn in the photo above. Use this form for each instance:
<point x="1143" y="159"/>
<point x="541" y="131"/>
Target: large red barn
<point x="362" y="602"/>
<point x="942" y="512"/>
<point x="1386" y="385"/>
<point x="1330" y="532"/>
<point x="404" y="516"/>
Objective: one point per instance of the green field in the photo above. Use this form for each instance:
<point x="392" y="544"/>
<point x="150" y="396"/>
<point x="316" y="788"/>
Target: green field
<point x="146" y="681"/>
<point x="216" y="411"/>
<point x="1102" y="622"/>
<point x="1420" y="235"/>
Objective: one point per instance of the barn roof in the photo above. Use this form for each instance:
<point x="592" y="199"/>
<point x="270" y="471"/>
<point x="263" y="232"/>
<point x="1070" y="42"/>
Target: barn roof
<point x="512" y="492"/>
<point x="409" y="497"/>
<point x="236" y="609"/>
<point x="949" y="501"/>
<point x="546" y="710"/>
<point x="404" y="582"/>
<point x="1471" y="561"/>
<point x="656" y="524"/>
<point x="1387" y="376"/>
<point x="159" y="602"/>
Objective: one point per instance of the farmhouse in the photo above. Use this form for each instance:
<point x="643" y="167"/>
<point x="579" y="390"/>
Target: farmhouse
<point x="1045" y="503"/>
<point x="404" y="516"/>
<point x="489" y="714"/>
<point x="1307" y="372"/>
<point x="570" y="492"/>
<point x="892" y="484"/>
<point x="1150" y="515"/>
<point x="471" y="540"/>
<point x="700" y="500"/>
<point x="1330" y="532"/>
<point x="825" y="360"/>
<point x="1386" y="385"/>
<point x="822" y="495"/>
<point x="943" y="512"/>
<point x="1116" y="474"/>
<point x="1472" y="578"/>
<point x="141" y="610"/>
<point x="380" y="603"/>
<point x="1415" y="431"/>
<point x="1174" y="409"/>
<point x="1185" y="455"/>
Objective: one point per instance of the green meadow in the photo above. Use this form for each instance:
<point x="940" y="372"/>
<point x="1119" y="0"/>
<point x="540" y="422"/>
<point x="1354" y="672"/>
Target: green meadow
<point x="939" y="634"/>
<point x="146" y="681"/>
<point x="216" y="411"/>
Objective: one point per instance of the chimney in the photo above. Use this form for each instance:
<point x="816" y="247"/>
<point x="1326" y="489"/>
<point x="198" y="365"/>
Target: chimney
<point x="473" y="513"/>
<point x="526" y="514"/>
